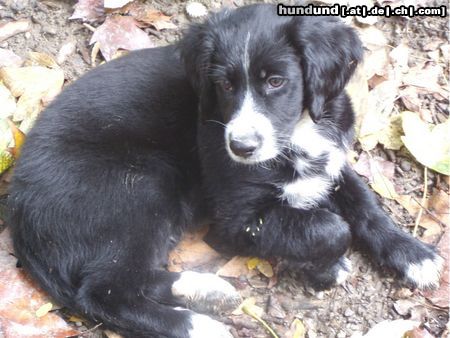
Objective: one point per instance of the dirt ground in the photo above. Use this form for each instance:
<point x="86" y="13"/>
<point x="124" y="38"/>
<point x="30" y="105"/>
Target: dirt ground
<point x="368" y="297"/>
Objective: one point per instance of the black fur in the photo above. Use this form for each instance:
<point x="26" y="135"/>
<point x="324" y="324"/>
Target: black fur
<point x="127" y="157"/>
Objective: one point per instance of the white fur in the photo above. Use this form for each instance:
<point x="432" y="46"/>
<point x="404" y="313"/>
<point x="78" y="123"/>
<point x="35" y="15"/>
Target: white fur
<point x="336" y="160"/>
<point x="194" y="285"/>
<point x="306" y="193"/>
<point x="307" y="137"/>
<point x="345" y="272"/>
<point x="205" y="327"/>
<point x="426" y="273"/>
<point x="248" y="121"/>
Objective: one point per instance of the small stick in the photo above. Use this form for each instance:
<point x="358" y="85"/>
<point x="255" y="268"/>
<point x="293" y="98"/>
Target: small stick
<point x="251" y="313"/>
<point x="424" y="198"/>
<point x="88" y="26"/>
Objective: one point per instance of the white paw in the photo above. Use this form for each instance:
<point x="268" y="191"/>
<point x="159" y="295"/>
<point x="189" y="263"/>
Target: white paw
<point x="205" y="327"/>
<point x="205" y="292"/>
<point x="425" y="274"/>
<point x="344" y="271"/>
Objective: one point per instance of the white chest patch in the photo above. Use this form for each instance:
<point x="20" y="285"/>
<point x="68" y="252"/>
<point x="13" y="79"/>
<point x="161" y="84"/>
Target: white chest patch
<point x="306" y="193"/>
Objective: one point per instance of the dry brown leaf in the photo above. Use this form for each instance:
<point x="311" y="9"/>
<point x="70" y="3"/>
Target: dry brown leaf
<point x="14" y="27"/>
<point x="391" y="136"/>
<point x="192" y="252"/>
<point x="441" y="297"/>
<point x="151" y="17"/>
<point x="372" y="38"/>
<point x="234" y="268"/>
<point x="35" y="86"/>
<point x="399" y="57"/>
<point x="410" y="98"/>
<point x="376" y="62"/>
<point x="9" y="58"/>
<point x="7" y="102"/>
<point x="426" y="78"/>
<point x="88" y="10"/>
<point x="358" y="90"/>
<point x="368" y="166"/>
<point x="120" y="32"/>
<point x="18" y="309"/>
<point x="41" y="59"/>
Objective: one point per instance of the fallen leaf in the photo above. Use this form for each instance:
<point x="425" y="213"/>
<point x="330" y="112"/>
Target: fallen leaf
<point x="7" y="102"/>
<point x="44" y="309"/>
<point x="192" y="253"/>
<point x="383" y="186"/>
<point x="9" y="58"/>
<point x="41" y="59"/>
<point x="88" y="10"/>
<point x="391" y="328"/>
<point x="234" y="268"/>
<point x="376" y="62"/>
<point x="410" y="98"/>
<point x="261" y="265"/>
<point x="18" y="137"/>
<point x="425" y="77"/>
<point x="403" y="306"/>
<point x="299" y="329"/>
<point x="391" y="135"/>
<point x="358" y="90"/>
<point x="441" y="296"/>
<point x="372" y="38"/>
<point x="14" y="27"/>
<point x="368" y="166"/>
<point x="19" y="299"/>
<point x="120" y="32"/>
<point x="429" y="144"/>
<point x="35" y="86"/>
<point x="150" y="17"/>
<point x="6" y="158"/>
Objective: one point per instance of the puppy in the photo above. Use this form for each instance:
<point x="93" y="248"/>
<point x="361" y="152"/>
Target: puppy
<point x="244" y="121"/>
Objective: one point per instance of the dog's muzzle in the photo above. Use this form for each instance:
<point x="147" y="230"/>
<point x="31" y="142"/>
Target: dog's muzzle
<point x="245" y="146"/>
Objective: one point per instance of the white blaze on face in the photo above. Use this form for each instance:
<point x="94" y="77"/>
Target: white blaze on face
<point x="245" y="125"/>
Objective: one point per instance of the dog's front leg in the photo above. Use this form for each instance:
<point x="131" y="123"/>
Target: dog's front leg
<point x="375" y="232"/>
<point x="313" y="240"/>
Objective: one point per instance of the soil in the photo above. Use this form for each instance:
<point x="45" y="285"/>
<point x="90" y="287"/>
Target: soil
<point x="369" y="295"/>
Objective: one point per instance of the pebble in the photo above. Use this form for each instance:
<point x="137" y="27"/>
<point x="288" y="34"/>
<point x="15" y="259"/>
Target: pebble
<point x="348" y="312"/>
<point x="405" y="165"/>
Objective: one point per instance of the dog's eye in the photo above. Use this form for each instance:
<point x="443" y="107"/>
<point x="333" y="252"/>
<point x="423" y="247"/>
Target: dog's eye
<point x="227" y="86"/>
<point x="275" y="81"/>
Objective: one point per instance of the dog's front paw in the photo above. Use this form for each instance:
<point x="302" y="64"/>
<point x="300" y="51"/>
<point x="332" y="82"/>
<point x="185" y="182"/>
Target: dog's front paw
<point x="334" y="275"/>
<point x="205" y="327"/>
<point x="205" y="292"/>
<point x="425" y="273"/>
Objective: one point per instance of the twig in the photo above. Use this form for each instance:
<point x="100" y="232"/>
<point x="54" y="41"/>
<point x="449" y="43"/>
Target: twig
<point x="424" y="198"/>
<point x="248" y="310"/>
<point x="88" y="26"/>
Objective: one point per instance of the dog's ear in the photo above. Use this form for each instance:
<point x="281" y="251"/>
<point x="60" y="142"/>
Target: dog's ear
<point x="329" y="52"/>
<point x="197" y="47"/>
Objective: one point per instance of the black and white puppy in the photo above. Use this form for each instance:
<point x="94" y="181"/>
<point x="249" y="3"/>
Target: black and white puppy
<point x="245" y="119"/>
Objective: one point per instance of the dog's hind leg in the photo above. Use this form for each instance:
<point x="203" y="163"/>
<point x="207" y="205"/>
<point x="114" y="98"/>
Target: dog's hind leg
<point x="375" y="232"/>
<point x="142" y="306"/>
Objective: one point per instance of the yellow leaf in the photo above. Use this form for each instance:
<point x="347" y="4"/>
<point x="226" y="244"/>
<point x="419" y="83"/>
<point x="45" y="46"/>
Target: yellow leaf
<point x="265" y="268"/>
<point x="429" y="144"/>
<point x="75" y="319"/>
<point x="300" y="330"/>
<point x="41" y="59"/>
<point x="19" y="139"/>
<point x="44" y="309"/>
<point x="252" y="263"/>
<point x="383" y="186"/>
<point x="250" y="305"/>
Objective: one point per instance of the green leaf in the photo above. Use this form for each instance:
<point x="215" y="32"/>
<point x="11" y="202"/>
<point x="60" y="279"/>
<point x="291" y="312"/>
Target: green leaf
<point x="429" y="144"/>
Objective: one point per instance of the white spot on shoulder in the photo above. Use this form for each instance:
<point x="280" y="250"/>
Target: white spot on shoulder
<point x="197" y="286"/>
<point x="426" y="274"/>
<point x="205" y="327"/>
<point x="307" y="137"/>
<point x="246" y="123"/>
<point x="306" y="193"/>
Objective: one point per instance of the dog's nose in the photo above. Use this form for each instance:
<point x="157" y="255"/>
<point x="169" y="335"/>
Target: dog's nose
<point x="245" y="147"/>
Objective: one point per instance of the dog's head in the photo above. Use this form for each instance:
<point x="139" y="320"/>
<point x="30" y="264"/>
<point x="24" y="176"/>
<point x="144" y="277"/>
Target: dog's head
<point x="256" y="72"/>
